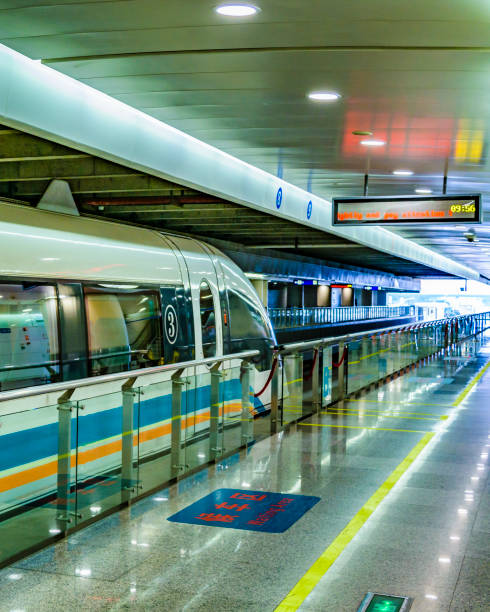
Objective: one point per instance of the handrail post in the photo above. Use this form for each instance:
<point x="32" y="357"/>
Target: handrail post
<point x="341" y="371"/>
<point x="65" y="407"/>
<point x="175" y="464"/>
<point x="275" y="397"/>
<point x="215" y="449"/>
<point x="128" y="394"/>
<point x="316" y="392"/>
<point x="247" y="402"/>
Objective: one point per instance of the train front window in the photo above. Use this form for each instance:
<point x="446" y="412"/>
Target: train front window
<point x="208" y="320"/>
<point x="249" y="330"/>
<point x="124" y="329"/>
<point x="29" y="348"/>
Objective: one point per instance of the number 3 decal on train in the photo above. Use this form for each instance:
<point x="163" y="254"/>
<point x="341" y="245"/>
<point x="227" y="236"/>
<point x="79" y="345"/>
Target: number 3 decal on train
<point x="171" y="324"/>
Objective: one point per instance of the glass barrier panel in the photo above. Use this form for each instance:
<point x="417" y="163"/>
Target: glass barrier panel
<point x="153" y="433"/>
<point x="354" y="370"/>
<point x="100" y="485"/>
<point x="292" y="404"/>
<point x="233" y="413"/>
<point x="32" y="498"/>
<point x="199" y="416"/>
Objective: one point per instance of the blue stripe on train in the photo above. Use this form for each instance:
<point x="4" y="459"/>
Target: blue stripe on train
<point x="33" y="444"/>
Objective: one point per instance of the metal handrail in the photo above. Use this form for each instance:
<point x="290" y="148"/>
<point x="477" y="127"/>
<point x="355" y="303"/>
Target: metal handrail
<point x="292" y="347"/>
<point x="126" y="375"/>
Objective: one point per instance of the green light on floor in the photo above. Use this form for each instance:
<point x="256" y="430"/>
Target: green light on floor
<point x="385" y="603"/>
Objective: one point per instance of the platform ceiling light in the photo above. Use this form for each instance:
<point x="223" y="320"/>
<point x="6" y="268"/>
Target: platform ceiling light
<point x="403" y="172"/>
<point x="423" y="190"/>
<point x="323" y="96"/>
<point x="237" y="10"/>
<point x="373" y="143"/>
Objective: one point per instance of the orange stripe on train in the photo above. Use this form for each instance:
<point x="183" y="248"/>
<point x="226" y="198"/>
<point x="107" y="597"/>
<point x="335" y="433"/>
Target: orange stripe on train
<point x="51" y="468"/>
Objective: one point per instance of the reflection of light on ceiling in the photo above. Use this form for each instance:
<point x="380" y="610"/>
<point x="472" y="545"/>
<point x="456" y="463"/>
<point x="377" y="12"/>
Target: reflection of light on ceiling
<point x="468" y="146"/>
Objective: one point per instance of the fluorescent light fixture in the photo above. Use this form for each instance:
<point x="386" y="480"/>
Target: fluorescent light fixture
<point x="455" y="538"/>
<point x="373" y="143"/>
<point x="444" y="560"/>
<point x="83" y="572"/>
<point x="111" y="286"/>
<point x="430" y="596"/>
<point x="27" y="310"/>
<point x="237" y="10"/>
<point x="423" y="190"/>
<point x="95" y="509"/>
<point x="50" y="258"/>
<point x="323" y="96"/>
<point x="160" y="499"/>
<point x="462" y="511"/>
<point x="403" y="172"/>
<point x="54" y="531"/>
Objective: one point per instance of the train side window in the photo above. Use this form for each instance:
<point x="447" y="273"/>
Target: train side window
<point x="208" y="320"/>
<point x="29" y="345"/>
<point x="124" y="329"/>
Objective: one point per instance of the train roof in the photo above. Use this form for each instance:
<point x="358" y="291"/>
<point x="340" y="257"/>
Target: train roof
<point x="42" y="244"/>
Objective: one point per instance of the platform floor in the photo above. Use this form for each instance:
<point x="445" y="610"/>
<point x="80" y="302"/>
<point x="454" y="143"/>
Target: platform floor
<point x="404" y="467"/>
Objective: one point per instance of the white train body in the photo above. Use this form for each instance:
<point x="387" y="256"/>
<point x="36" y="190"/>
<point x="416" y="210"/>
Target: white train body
<point x="81" y="297"/>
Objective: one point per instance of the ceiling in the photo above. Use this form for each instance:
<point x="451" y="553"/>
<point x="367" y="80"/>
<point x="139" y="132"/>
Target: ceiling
<point x="416" y="74"/>
<point x="102" y="188"/>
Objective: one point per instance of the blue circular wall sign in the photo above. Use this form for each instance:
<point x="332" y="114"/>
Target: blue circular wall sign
<point x="279" y="198"/>
<point x="309" y="209"/>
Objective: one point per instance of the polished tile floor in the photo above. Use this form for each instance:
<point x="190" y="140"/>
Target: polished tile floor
<point x="428" y="538"/>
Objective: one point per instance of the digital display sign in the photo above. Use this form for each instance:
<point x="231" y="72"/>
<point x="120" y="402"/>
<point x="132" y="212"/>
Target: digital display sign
<point x="407" y="209"/>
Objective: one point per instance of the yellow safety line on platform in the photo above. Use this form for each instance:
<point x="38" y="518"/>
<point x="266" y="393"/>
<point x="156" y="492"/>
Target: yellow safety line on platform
<point x="394" y="401"/>
<point x="387" y="416"/>
<point x="308" y="582"/>
<point x="294" y="381"/>
<point x="360" y="427"/>
<point x="471" y="384"/>
<point x="400" y="412"/>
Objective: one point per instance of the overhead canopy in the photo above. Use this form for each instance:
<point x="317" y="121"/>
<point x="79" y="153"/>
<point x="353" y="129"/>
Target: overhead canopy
<point x="43" y="102"/>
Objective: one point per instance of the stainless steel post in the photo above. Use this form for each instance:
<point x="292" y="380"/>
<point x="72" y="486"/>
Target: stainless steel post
<point x="316" y="391"/>
<point x="175" y="444"/>
<point x="275" y="398"/>
<point x="65" y="407"/>
<point x="215" y="448"/>
<point x="127" y="485"/>
<point x="247" y="402"/>
<point x="341" y="371"/>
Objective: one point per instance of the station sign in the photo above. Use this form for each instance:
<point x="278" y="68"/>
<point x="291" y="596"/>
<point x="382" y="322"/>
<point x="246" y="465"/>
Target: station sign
<point x="244" y="509"/>
<point x="407" y="209"/>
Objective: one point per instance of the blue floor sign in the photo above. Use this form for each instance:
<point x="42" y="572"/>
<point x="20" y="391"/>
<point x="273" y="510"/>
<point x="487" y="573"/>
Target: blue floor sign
<point x="251" y="510"/>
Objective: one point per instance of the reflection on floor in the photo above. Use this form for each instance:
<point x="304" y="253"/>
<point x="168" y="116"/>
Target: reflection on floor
<point x="427" y="537"/>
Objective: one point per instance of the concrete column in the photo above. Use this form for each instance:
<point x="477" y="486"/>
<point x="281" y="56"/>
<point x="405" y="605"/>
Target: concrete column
<point x="261" y="286"/>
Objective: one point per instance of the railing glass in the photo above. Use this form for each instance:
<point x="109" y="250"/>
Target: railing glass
<point x="72" y="452"/>
<point x="291" y="318"/>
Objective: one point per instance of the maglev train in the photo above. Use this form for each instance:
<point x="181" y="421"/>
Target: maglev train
<point x="81" y="297"/>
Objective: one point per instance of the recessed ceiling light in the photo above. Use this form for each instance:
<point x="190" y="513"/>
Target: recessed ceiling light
<point x="323" y="96"/>
<point x="373" y="143"/>
<point x="423" y="190"/>
<point x="403" y="172"/>
<point x="237" y="10"/>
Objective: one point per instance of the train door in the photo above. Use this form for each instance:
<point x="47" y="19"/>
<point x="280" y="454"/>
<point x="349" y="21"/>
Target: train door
<point x="204" y="296"/>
